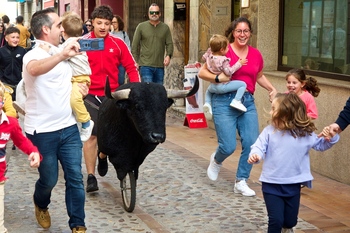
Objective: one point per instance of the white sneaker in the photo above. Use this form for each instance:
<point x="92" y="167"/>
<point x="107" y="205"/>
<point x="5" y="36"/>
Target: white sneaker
<point x="287" y="230"/>
<point x="85" y="134"/>
<point x="207" y="111"/>
<point x="238" y="105"/>
<point x="242" y="188"/>
<point x="213" y="168"/>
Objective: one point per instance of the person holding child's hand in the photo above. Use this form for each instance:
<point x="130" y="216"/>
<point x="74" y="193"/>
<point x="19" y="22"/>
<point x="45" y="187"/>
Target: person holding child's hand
<point x="341" y="123"/>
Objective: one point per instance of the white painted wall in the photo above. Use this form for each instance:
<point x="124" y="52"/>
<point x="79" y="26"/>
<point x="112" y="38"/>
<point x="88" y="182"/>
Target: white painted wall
<point x="9" y="9"/>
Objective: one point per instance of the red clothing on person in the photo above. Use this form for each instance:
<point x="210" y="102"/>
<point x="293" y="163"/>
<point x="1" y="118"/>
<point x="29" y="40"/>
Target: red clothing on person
<point x="10" y="129"/>
<point x="309" y="100"/>
<point x="106" y="62"/>
<point x="248" y="73"/>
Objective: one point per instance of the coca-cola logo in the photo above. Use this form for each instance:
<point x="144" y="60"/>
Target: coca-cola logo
<point x="198" y="120"/>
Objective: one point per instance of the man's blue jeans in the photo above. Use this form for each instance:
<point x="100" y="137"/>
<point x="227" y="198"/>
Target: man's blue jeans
<point x="65" y="146"/>
<point x="152" y="74"/>
<point x="227" y="120"/>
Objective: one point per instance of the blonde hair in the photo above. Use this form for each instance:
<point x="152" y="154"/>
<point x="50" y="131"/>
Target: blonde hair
<point x="218" y="42"/>
<point x="72" y="24"/>
<point x="291" y="115"/>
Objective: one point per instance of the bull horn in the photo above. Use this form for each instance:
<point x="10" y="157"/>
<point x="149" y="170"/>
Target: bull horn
<point x="184" y="93"/>
<point x="121" y="94"/>
<point x="118" y="95"/>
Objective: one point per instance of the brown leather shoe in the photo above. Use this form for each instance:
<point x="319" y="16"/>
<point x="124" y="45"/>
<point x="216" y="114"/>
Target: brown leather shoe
<point x="43" y="217"/>
<point x="79" y="230"/>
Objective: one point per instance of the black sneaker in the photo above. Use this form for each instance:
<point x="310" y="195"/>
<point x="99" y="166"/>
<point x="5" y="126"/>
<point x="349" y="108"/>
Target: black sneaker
<point x="91" y="185"/>
<point x="102" y="166"/>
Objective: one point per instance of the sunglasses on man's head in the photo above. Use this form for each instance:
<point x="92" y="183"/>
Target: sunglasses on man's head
<point x="154" y="12"/>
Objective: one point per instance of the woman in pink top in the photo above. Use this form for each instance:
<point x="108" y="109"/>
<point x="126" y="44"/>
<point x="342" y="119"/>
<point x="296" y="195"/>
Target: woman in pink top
<point x="305" y="88"/>
<point x="228" y="120"/>
<point x="217" y="62"/>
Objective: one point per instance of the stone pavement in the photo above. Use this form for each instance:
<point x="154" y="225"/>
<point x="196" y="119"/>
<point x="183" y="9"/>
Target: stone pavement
<point x="173" y="195"/>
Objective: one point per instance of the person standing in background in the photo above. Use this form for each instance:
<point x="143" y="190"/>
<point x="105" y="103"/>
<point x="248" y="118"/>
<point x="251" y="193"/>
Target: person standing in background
<point x="118" y="30"/>
<point x="2" y="34"/>
<point x="24" y="33"/>
<point x="149" y="50"/>
<point x="6" y="21"/>
<point x="11" y="60"/>
<point x="88" y="25"/>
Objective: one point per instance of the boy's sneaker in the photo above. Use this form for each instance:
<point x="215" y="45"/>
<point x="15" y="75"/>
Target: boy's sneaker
<point x="85" y="133"/>
<point x="214" y="168"/>
<point x="241" y="187"/>
<point x="238" y="105"/>
<point x="102" y="166"/>
<point x="91" y="184"/>
<point x="207" y="111"/>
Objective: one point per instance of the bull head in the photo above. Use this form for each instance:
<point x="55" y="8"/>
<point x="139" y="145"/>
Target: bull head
<point x="124" y="94"/>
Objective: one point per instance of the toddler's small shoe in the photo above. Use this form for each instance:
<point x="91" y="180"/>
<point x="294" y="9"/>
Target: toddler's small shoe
<point x="207" y="111"/>
<point x="85" y="133"/>
<point x="238" y="105"/>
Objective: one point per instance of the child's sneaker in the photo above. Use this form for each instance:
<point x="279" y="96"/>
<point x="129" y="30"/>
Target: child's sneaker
<point x="238" y="105"/>
<point x="207" y="111"/>
<point x="85" y="133"/>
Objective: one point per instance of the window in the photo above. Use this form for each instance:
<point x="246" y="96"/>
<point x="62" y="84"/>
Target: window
<point x="315" y="37"/>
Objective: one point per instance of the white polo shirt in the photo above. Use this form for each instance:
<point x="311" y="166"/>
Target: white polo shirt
<point x="48" y="96"/>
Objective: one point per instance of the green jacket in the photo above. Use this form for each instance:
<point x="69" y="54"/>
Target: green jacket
<point x="151" y="44"/>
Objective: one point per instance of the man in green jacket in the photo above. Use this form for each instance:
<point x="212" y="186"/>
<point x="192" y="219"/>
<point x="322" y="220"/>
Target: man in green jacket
<point x="152" y="46"/>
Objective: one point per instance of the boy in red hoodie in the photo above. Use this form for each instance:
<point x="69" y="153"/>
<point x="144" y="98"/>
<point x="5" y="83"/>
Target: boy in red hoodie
<point x="10" y="129"/>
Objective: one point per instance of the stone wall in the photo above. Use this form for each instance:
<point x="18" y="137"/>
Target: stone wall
<point x="174" y="73"/>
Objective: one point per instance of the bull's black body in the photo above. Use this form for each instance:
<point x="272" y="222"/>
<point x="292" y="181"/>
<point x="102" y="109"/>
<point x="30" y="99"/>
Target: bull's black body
<point x="129" y="129"/>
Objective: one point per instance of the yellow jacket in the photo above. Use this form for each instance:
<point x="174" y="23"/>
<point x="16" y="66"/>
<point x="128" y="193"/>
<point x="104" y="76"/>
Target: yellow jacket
<point x="8" y="107"/>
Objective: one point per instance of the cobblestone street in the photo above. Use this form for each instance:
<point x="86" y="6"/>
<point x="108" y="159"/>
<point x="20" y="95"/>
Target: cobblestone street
<point x="173" y="195"/>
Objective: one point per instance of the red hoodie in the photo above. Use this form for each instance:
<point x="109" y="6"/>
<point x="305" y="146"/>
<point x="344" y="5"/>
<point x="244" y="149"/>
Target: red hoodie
<point x="106" y="62"/>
